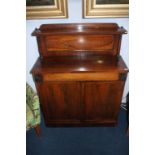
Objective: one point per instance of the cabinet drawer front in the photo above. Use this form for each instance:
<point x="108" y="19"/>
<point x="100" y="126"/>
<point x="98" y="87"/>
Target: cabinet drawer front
<point x="107" y="76"/>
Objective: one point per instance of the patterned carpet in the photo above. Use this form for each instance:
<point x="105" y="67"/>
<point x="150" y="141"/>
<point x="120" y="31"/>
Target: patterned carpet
<point x="80" y="141"/>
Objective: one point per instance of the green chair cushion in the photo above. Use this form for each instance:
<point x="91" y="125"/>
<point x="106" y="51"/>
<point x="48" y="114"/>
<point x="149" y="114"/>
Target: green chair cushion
<point x="32" y="108"/>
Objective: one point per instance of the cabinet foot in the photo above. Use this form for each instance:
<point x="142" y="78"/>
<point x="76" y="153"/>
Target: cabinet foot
<point x="38" y="130"/>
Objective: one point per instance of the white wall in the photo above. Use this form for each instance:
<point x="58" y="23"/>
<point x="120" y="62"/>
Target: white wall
<point x="75" y="16"/>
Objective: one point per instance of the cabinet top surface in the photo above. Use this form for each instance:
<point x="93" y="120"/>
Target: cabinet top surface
<point x="79" y="64"/>
<point x="104" y="28"/>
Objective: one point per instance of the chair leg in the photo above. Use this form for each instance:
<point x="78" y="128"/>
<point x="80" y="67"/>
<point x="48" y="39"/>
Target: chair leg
<point x="38" y="130"/>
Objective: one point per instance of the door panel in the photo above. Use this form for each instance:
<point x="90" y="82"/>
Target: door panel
<point x="61" y="100"/>
<point x="102" y="100"/>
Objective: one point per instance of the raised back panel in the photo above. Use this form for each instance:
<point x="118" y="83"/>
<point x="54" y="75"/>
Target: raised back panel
<point x="79" y="42"/>
<point x="78" y="39"/>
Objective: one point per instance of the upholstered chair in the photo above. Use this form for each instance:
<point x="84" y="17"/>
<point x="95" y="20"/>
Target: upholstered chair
<point x="32" y="110"/>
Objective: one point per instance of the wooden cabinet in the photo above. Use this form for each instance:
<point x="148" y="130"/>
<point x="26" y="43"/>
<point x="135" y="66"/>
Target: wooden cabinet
<point x="79" y="75"/>
<point x="84" y="103"/>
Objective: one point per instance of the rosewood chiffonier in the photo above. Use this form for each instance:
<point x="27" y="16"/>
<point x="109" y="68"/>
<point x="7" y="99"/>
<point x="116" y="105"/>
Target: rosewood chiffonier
<point x="79" y="75"/>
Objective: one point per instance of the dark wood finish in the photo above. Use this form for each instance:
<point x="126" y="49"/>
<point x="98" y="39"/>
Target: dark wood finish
<point x="61" y="100"/>
<point x="77" y="39"/>
<point x="79" y="75"/>
<point x="91" y="64"/>
<point x="37" y="130"/>
<point x="80" y="42"/>
<point x="102" y="100"/>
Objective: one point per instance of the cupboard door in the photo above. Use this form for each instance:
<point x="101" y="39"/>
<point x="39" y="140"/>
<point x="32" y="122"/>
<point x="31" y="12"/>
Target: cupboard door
<point x="60" y="101"/>
<point x="102" y="100"/>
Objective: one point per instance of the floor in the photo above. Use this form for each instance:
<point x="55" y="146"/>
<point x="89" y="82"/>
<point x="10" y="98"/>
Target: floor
<point x="80" y="141"/>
